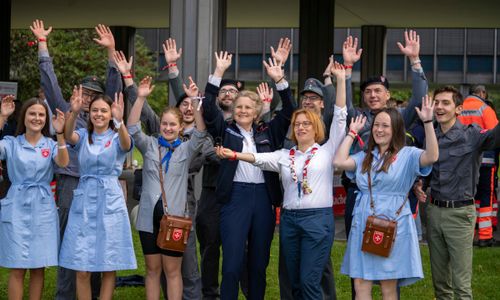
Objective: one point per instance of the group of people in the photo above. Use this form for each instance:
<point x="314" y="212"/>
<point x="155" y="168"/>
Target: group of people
<point x="248" y="149"/>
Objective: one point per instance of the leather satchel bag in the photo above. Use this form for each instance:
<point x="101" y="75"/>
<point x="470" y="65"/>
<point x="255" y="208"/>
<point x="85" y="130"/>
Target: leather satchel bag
<point x="174" y="230"/>
<point x="380" y="231"/>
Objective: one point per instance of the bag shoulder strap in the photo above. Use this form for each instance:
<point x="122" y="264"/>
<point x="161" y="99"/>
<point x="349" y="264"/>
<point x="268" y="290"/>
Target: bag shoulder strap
<point x="372" y="203"/>
<point x="160" y="173"/>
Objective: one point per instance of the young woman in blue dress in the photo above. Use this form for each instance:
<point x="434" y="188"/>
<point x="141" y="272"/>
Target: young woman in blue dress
<point x="98" y="237"/>
<point x="29" y="230"/>
<point x="393" y="169"/>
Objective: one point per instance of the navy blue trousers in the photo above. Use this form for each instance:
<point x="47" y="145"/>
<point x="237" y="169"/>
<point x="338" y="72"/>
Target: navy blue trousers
<point x="306" y="237"/>
<point x="248" y="218"/>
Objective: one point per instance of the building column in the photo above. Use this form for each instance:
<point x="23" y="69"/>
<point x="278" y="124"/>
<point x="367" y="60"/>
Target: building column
<point x="5" y="18"/>
<point x="373" y="42"/>
<point x="315" y="37"/>
<point x="198" y="26"/>
<point x="124" y="39"/>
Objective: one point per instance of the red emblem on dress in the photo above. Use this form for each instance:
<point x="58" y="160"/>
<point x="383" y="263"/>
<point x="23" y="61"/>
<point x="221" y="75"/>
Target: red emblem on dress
<point x="378" y="237"/>
<point x="45" y="153"/>
<point x="107" y="144"/>
<point x="177" y="234"/>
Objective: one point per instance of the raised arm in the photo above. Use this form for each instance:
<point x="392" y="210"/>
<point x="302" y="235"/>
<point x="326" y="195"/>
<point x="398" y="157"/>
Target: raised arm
<point x="124" y="66"/>
<point x="143" y="91"/>
<point x="411" y="49"/>
<point x="193" y="92"/>
<point x="48" y="79"/>
<point x="76" y="105"/>
<point x="7" y="108"/>
<point x="113" y="79"/>
<point x="117" y="109"/>
<point x="62" y="157"/>
<point x="266" y="96"/>
<point x="337" y="126"/>
<point x="283" y="51"/>
<point x="172" y="55"/>
<point x="329" y="93"/>
<point x="342" y="159"/>
<point x="431" y="152"/>
<point x="351" y="54"/>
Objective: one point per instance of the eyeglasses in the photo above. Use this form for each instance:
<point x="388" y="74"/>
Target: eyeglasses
<point x="228" y="92"/>
<point x="311" y="98"/>
<point x="305" y="124"/>
<point x="88" y="94"/>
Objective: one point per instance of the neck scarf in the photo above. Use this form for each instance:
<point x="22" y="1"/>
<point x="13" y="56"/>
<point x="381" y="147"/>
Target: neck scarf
<point x="170" y="149"/>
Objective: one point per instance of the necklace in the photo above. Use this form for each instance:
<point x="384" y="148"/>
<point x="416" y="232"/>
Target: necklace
<point x="302" y="186"/>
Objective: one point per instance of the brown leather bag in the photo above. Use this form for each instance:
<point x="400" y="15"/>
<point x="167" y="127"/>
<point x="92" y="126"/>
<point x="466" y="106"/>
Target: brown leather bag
<point x="174" y="230"/>
<point x="380" y="231"/>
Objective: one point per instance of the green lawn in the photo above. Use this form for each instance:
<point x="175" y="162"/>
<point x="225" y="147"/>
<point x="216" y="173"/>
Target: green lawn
<point x="486" y="276"/>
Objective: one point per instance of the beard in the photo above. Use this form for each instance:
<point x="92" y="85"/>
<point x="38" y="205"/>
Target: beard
<point x="225" y="107"/>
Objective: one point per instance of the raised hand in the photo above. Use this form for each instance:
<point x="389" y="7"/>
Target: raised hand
<point x="8" y="107"/>
<point x="283" y="50"/>
<point x="350" y="53"/>
<point x="338" y="70"/>
<point x="117" y="107"/>
<point x="76" y="99"/>
<point x="222" y="63"/>
<point x="274" y="70"/>
<point x="426" y="112"/>
<point x="170" y="50"/>
<point x="412" y="45"/>
<point x="192" y="90"/>
<point x="39" y="31"/>
<point x="265" y="93"/>
<point x="328" y="71"/>
<point x="224" y="153"/>
<point x="124" y="66"/>
<point x="145" y="88"/>
<point x="58" y="121"/>
<point x="106" y="38"/>
<point x="357" y="123"/>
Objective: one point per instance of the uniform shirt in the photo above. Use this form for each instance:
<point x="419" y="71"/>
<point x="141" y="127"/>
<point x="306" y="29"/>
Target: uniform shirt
<point x="454" y="176"/>
<point x="245" y="172"/>
<point x="319" y="171"/>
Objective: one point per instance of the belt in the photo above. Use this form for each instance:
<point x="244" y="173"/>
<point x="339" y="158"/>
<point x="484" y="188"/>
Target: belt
<point x="452" y="203"/>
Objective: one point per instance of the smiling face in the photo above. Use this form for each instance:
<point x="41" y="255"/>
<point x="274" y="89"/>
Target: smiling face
<point x="376" y="96"/>
<point x="304" y="130"/>
<point x="170" y="126"/>
<point x="445" y="109"/>
<point x="227" y="95"/>
<point x="87" y="96"/>
<point x="245" y="111"/>
<point x="186" y="108"/>
<point x="100" y="114"/>
<point x="382" y="130"/>
<point x="313" y="102"/>
<point x="35" y="118"/>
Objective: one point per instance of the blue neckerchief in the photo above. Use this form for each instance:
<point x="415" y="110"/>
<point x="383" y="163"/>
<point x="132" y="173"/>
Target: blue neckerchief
<point x="170" y="147"/>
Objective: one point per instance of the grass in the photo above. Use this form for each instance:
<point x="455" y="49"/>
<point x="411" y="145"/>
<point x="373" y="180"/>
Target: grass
<point x="485" y="278"/>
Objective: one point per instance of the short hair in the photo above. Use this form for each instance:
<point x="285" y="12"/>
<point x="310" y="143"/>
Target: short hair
<point x="254" y="97"/>
<point x="476" y="89"/>
<point x="21" y="127"/>
<point x="317" y="124"/>
<point x="456" y="95"/>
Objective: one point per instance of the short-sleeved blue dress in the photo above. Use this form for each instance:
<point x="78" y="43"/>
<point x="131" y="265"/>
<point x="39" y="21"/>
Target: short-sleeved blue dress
<point x="389" y="192"/>
<point x="98" y="236"/>
<point x="29" y="225"/>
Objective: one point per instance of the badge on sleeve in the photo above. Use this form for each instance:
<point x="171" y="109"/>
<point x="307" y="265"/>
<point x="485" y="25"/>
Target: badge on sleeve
<point x="45" y="152"/>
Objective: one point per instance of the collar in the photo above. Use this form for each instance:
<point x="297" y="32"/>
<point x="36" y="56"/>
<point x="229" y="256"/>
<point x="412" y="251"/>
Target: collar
<point x="453" y="133"/>
<point x="105" y="133"/>
<point x="243" y="131"/>
<point x="26" y="144"/>
<point x="308" y="150"/>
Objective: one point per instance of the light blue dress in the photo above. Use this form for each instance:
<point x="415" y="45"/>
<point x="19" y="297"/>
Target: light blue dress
<point x="389" y="192"/>
<point x="98" y="236"/>
<point x="29" y="227"/>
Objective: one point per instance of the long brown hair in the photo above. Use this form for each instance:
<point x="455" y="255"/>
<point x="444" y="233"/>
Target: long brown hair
<point x="21" y="127"/>
<point x="90" y="126"/>
<point x="396" y="144"/>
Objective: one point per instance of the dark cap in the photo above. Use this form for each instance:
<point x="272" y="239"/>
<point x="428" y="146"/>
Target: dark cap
<point x="181" y="98"/>
<point x="238" y="84"/>
<point x="313" y="85"/>
<point x="92" y="83"/>
<point x="375" y="80"/>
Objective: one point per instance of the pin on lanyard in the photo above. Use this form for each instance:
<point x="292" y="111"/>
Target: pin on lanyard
<point x="302" y="186"/>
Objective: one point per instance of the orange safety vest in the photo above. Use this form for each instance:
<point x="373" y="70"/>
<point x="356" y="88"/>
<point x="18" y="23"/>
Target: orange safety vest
<point x="476" y="111"/>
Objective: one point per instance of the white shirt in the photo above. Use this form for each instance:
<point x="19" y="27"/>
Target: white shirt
<point x="246" y="172"/>
<point x="319" y="171"/>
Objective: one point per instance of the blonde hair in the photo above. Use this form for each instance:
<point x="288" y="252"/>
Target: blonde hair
<point x="317" y="125"/>
<point x="255" y="98"/>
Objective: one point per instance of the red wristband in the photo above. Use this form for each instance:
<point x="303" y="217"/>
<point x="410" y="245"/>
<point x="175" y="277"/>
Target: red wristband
<point x="347" y="67"/>
<point x="234" y="156"/>
<point x="42" y="40"/>
<point x="353" y="132"/>
<point x="127" y="76"/>
<point x="356" y="136"/>
<point x="269" y="100"/>
<point x="172" y="65"/>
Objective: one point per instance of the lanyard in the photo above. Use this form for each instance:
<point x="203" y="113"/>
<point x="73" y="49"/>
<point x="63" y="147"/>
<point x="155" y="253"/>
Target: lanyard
<point x="302" y="186"/>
